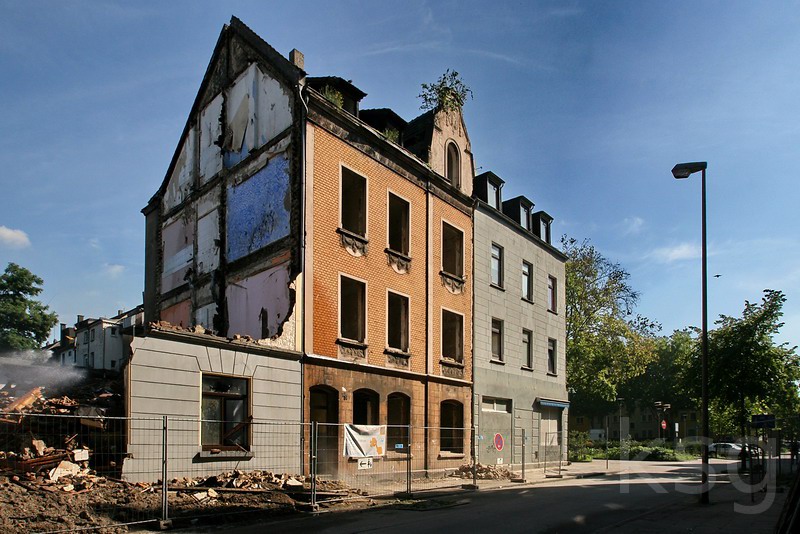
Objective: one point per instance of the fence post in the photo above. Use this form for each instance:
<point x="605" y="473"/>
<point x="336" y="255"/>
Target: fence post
<point x="312" y="451"/>
<point x="408" y="462"/>
<point x="165" y="521"/>
<point x="474" y="460"/>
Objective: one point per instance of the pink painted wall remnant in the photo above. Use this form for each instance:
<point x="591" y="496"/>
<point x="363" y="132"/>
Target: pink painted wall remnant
<point x="259" y="305"/>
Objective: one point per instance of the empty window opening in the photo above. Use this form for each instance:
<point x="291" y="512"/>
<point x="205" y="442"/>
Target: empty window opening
<point x="527" y="348"/>
<point x="224" y="413"/>
<point x="552" y="368"/>
<point x="398" y="322"/>
<point x="352" y="307"/>
<point x="399" y="417"/>
<point x="451" y="432"/>
<point x="527" y="281"/>
<point x="552" y="288"/>
<point x="452" y="335"/>
<point x="113" y="332"/>
<point x="354" y="202"/>
<point x="398" y="224"/>
<point x="365" y="407"/>
<point x="497" y="265"/>
<point x="452" y="250"/>
<point x="453" y="165"/>
<point x="497" y="340"/>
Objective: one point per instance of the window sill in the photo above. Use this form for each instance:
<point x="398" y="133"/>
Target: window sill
<point x="499" y="288"/>
<point x="396" y="352"/>
<point x="451" y="363"/>
<point x="526" y="368"/>
<point x="526" y="299"/>
<point x="551" y="374"/>
<point x="398" y="261"/>
<point x="221" y="455"/>
<point x="355" y="244"/>
<point x="552" y="311"/>
<point x="447" y="455"/>
<point x="453" y="282"/>
<point x="497" y="362"/>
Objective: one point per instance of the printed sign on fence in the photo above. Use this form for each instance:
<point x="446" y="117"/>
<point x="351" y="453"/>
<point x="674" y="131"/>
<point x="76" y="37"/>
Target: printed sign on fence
<point x="362" y="441"/>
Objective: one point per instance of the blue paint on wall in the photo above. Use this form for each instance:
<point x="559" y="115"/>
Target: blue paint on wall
<point x="259" y="209"/>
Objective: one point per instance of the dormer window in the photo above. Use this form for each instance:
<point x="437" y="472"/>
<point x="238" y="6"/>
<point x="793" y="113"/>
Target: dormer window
<point x="525" y="217"/>
<point x="453" y="165"/>
<point x="544" y="230"/>
<point x="493" y="195"/>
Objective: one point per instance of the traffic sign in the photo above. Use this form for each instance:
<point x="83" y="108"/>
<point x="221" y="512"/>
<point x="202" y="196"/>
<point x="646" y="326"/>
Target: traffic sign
<point x="764" y="420"/>
<point x="499" y="442"/>
<point x="663" y="425"/>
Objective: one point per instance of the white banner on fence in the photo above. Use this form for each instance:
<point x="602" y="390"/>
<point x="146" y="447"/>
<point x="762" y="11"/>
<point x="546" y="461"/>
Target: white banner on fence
<point x="363" y="441"/>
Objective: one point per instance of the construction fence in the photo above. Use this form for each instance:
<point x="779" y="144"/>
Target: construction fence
<point x="66" y="472"/>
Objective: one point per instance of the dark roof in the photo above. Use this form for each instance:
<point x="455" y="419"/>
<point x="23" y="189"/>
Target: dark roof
<point x="380" y="118"/>
<point x="419" y="135"/>
<point x="345" y="86"/>
<point x="521" y="199"/>
<point x="490" y="176"/>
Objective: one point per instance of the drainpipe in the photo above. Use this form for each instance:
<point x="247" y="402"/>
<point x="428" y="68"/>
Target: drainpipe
<point x="428" y="329"/>
<point x="303" y="119"/>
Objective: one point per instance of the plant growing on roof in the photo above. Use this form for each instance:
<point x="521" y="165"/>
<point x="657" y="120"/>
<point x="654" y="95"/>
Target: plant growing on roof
<point x="448" y="93"/>
<point x="333" y="96"/>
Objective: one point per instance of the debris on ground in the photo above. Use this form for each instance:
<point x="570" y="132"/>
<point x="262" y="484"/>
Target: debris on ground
<point x="486" y="472"/>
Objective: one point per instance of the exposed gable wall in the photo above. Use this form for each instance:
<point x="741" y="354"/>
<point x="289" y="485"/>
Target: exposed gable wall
<point x="449" y="126"/>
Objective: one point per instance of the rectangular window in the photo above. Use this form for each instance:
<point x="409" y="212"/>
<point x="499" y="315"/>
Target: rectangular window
<point x="224" y="413"/>
<point x="452" y="336"/>
<point x="113" y="332"/>
<point x="497" y="340"/>
<point x="397" y="328"/>
<point x="399" y="211"/>
<point x="491" y="404"/>
<point x="86" y="337"/>
<point x="91" y="359"/>
<point x="452" y="250"/>
<point x="527" y="281"/>
<point x="352" y="309"/>
<point x="497" y="265"/>
<point x="493" y="195"/>
<point x="545" y="231"/>
<point x="354" y="202"/>
<point x="525" y="217"/>
<point x="92" y="334"/>
<point x="552" y="288"/>
<point x="552" y="368"/>
<point x="527" y="348"/>
<point x="113" y="363"/>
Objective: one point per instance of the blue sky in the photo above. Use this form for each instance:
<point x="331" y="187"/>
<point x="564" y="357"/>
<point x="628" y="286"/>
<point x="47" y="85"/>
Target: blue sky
<point x="582" y="106"/>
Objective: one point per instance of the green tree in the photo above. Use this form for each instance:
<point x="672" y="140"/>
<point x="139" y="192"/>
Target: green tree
<point x="448" y="93"/>
<point x="607" y="344"/>
<point x="24" y="321"/>
<point x="748" y="371"/>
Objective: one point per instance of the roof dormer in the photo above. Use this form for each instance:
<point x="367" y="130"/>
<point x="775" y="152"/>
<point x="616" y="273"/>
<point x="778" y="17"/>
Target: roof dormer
<point x="519" y="209"/>
<point x="340" y="92"/>
<point x="488" y="187"/>
<point x="542" y="222"/>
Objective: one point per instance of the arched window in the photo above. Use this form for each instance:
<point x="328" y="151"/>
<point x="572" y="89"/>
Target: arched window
<point x="365" y="407"/>
<point x="399" y="417"/>
<point x="453" y="168"/>
<point x="451" y="427"/>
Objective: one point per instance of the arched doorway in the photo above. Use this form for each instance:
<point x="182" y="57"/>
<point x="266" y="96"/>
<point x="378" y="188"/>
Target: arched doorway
<point x="324" y="410"/>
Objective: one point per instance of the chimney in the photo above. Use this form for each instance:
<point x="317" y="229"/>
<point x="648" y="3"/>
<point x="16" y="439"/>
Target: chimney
<point x="80" y="318"/>
<point x="297" y="58"/>
<point x="120" y="312"/>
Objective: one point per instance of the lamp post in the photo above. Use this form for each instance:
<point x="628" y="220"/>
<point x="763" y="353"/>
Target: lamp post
<point x="684" y="170"/>
<point x="620" y="400"/>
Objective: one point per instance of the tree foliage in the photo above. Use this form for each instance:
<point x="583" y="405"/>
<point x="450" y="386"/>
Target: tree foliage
<point x="448" y="93"/>
<point x="748" y="372"/>
<point x="24" y="321"/>
<point x="606" y="344"/>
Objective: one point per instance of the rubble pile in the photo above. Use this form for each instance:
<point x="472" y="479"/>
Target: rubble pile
<point x="486" y="472"/>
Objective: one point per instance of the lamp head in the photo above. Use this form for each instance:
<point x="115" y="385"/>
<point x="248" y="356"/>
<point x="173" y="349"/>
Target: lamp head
<point x="683" y="170"/>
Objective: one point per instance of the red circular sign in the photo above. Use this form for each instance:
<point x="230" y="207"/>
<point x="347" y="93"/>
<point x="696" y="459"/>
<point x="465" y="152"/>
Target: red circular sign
<point x="499" y="442"/>
<point x="664" y="425"/>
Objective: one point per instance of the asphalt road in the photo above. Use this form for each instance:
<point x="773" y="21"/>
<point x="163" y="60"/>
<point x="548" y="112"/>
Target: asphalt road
<point x="650" y="496"/>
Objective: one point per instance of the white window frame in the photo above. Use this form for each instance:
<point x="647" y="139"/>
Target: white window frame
<point x="441" y="247"/>
<point x="342" y="166"/>
<point x="408" y="320"/>
<point x="441" y="332"/>
<point x="390" y="192"/>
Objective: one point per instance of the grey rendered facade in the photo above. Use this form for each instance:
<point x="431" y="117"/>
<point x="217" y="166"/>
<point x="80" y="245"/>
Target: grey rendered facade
<point x="514" y="389"/>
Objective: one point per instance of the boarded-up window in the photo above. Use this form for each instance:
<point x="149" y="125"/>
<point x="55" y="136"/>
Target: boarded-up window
<point x="398" y="322"/>
<point x="452" y="335"/>
<point x="354" y="202"/>
<point x="352" y="309"/>
<point x="452" y="250"/>
<point x="398" y="224"/>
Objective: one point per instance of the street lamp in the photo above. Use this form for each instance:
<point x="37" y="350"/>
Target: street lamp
<point x="684" y="170"/>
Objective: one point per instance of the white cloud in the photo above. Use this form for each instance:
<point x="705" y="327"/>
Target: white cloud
<point x="632" y="225"/>
<point x="13" y="238"/>
<point x="679" y="252"/>
<point x="113" y="270"/>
